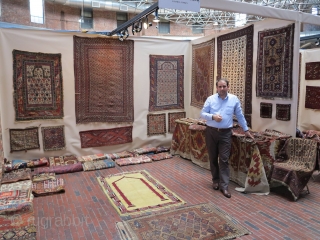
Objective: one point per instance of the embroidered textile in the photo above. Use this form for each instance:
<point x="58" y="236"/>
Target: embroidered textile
<point x="24" y="139"/>
<point x="235" y="56"/>
<point x="166" y="82"/>
<point x="265" y="110"/>
<point x="61" y="169"/>
<point x="21" y="185"/>
<point x="48" y="187"/>
<point x="106" y="137"/>
<point x="43" y="176"/>
<point x="133" y="160"/>
<point x="103" y="70"/>
<point x="96" y="165"/>
<point x="133" y="193"/>
<point x="283" y="112"/>
<point x="274" y="63"/>
<point x="156" y="124"/>
<point x="53" y="138"/>
<point x="37" y="82"/>
<point x="16" y="175"/>
<point x="202" y="72"/>
<point x="173" y="116"/>
<point x="201" y="221"/>
<point x="295" y="168"/>
<point x="312" y="97"/>
<point x="18" y="225"/>
<point x="160" y="156"/>
<point x="312" y="71"/>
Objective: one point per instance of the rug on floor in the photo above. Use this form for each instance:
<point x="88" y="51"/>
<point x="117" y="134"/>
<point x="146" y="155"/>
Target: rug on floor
<point x="133" y="193"/>
<point x="48" y="187"/>
<point x="202" y="221"/>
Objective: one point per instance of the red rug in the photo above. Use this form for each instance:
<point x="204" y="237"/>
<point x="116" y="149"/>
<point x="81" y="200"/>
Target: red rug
<point x="103" y="69"/>
<point x="53" y="138"/>
<point x="312" y="71"/>
<point x="173" y="116"/>
<point x="156" y="124"/>
<point x="312" y="99"/>
<point x="37" y="82"/>
<point x="106" y="137"/>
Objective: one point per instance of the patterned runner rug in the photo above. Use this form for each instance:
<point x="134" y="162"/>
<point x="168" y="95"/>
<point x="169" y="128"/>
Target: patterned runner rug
<point x="133" y="193"/>
<point x="202" y="221"/>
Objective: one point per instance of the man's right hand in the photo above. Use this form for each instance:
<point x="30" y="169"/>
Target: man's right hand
<point x="217" y="118"/>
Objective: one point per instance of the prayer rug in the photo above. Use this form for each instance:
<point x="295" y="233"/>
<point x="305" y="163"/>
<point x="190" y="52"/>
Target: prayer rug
<point x="143" y="150"/>
<point x="48" y="187"/>
<point x="21" y="185"/>
<point x="53" y="138"/>
<point x="172" y="117"/>
<point x="37" y="82"/>
<point x="133" y="193"/>
<point x="283" y="112"/>
<point x="133" y="160"/>
<point x="201" y="221"/>
<point x="106" y="137"/>
<point x="160" y="156"/>
<point x="103" y="70"/>
<point x="18" y="225"/>
<point x="312" y="71"/>
<point x="312" y="97"/>
<point x="24" y="139"/>
<point x="16" y="175"/>
<point x="265" y="110"/>
<point x="235" y="63"/>
<point x="43" y="177"/>
<point x="156" y="124"/>
<point x="202" y="72"/>
<point x="61" y="169"/>
<point x="99" y="164"/>
<point x="274" y="63"/>
<point x="166" y="82"/>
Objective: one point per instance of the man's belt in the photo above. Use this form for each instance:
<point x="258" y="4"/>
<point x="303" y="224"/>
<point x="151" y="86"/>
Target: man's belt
<point x="220" y="129"/>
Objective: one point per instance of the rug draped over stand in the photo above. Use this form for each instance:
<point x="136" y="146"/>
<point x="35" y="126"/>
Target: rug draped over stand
<point x="235" y="63"/>
<point x="103" y="69"/>
<point x="203" y="221"/>
<point x="166" y="82"/>
<point x="37" y="81"/>
<point x="274" y="63"/>
<point x="172" y="117"/>
<point x="202" y="72"/>
<point x="133" y="193"/>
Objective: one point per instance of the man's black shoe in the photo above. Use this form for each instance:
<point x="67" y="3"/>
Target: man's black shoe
<point x="226" y="193"/>
<point x="216" y="186"/>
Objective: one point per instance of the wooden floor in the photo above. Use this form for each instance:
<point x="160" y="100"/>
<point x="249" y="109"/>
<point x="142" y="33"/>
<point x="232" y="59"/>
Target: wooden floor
<point x="83" y="211"/>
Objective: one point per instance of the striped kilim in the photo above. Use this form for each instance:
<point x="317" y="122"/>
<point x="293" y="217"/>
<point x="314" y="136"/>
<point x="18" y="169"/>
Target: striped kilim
<point x="166" y="82"/>
<point x="37" y="81"/>
<point x="106" y="137"/>
<point x="103" y="69"/>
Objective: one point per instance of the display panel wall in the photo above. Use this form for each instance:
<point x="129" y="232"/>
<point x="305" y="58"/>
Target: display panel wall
<point x="62" y="43"/>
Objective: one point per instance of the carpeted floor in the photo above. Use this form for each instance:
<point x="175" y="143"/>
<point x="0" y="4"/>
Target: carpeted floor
<point x="84" y="212"/>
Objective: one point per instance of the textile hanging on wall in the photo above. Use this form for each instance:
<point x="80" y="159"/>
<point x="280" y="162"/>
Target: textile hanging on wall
<point x="202" y="72"/>
<point x="156" y="124"/>
<point x="24" y="139"/>
<point x="312" y="71"/>
<point x="312" y="97"/>
<point x="103" y="70"/>
<point x="37" y="83"/>
<point x="166" y="82"/>
<point x="53" y="138"/>
<point x="274" y="63"/>
<point x="283" y="112"/>
<point x="172" y="117"/>
<point x="235" y="56"/>
<point x="265" y="110"/>
<point x="106" y="137"/>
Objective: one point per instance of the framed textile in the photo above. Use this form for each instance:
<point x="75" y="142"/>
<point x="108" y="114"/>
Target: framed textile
<point x="265" y="110"/>
<point x="37" y="83"/>
<point x="156" y="124"/>
<point x="172" y="117"/>
<point x="283" y="112"/>
<point x="235" y="56"/>
<point x="312" y="97"/>
<point x="274" y="63"/>
<point x="202" y="72"/>
<point x="312" y="71"/>
<point x="166" y="82"/>
<point x="53" y="138"/>
<point x="106" y="137"/>
<point x="24" y="139"/>
<point x="103" y="69"/>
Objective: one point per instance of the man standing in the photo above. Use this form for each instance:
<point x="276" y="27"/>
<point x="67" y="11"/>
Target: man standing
<point x="218" y="110"/>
